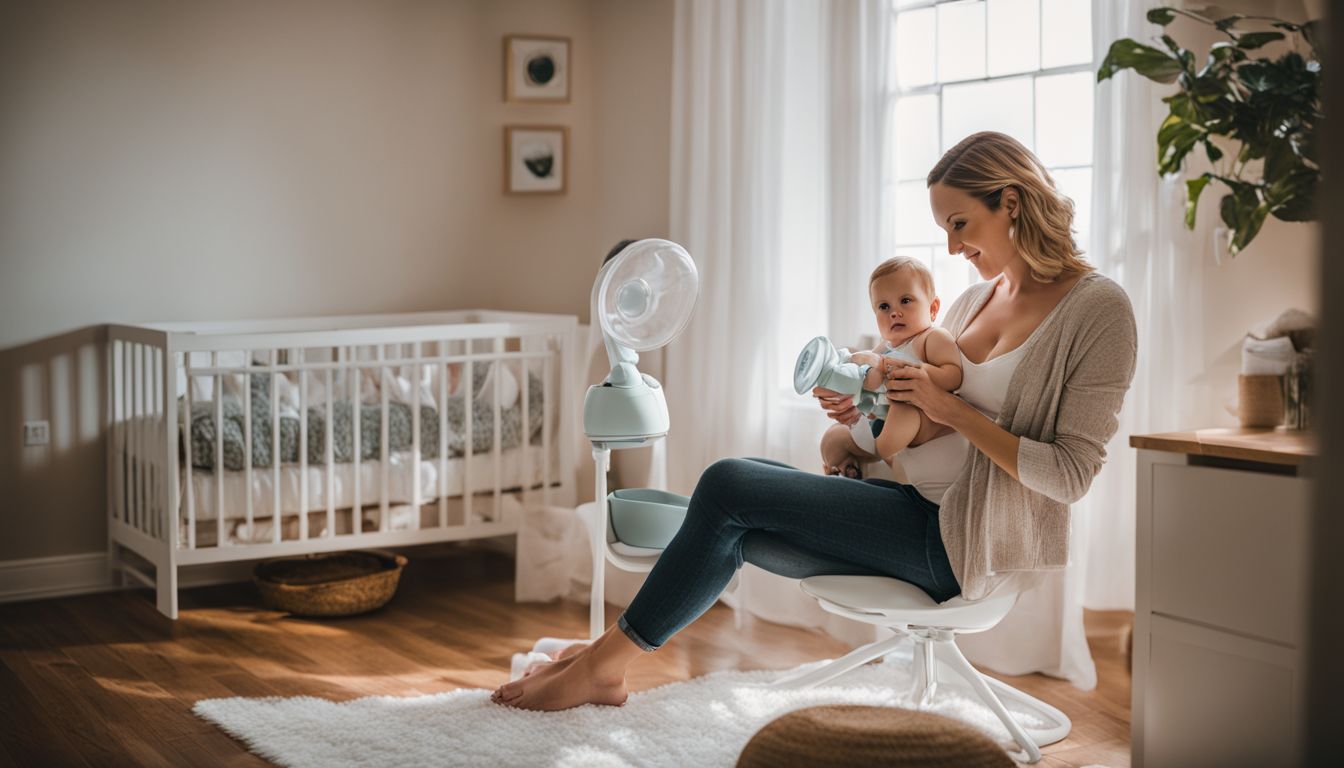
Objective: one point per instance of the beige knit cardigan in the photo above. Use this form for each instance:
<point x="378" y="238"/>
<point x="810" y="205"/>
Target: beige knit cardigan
<point x="1063" y="403"/>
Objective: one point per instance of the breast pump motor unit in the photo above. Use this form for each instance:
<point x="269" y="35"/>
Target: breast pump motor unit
<point x="642" y="299"/>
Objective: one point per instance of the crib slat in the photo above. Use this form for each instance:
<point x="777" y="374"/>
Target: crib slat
<point x="415" y="432"/>
<point x="220" y="539"/>
<point x="118" y="384"/>
<point x="247" y="440"/>
<point x="547" y="400"/>
<point x="276" y="517"/>
<point x="441" y="486"/>
<point x="191" y="489"/>
<point x="468" y="420"/>
<point x="383" y="453"/>
<point x="303" y="445"/>
<point x="153" y="449"/>
<point x="357" y="416"/>
<point x="142" y="414"/>
<point x="162" y="482"/>
<point x="168" y="454"/>
<point x="499" y="430"/>
<point x="526" y="440"/>
<point x="330" y="454"/>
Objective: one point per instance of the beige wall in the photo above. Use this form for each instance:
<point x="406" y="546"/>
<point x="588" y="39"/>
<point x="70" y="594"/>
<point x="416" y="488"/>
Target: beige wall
<point x="181" y="161"/>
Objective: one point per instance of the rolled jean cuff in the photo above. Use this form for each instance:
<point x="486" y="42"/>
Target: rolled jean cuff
<point x="633" y="635"/>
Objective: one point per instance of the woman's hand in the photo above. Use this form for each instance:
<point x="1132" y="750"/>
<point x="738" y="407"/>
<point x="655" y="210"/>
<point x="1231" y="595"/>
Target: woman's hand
<point x="837" y="406"/>
<point x="909" y="383"/>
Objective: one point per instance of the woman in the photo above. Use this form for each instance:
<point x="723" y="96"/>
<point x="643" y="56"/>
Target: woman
<point x="1048" y="349"/>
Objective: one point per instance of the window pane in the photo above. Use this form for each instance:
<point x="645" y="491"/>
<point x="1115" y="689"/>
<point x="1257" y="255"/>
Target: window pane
<point x="1066" y="32"/>
<point x="961" y="41"/>
<point x="998" y="105"/>
<point x="914" y="48"/>
<point x="922" y="252"/>
<point x="914" y="220"/>
<point x="1064" y="119"/>
<point x="1076" y="183"/>
<point x="1014" y="36"/>
<point x="916" y="136"/>
<point x="952" y="275"/>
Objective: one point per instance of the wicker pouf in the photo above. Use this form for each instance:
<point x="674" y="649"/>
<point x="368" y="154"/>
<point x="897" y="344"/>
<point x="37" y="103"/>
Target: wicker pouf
<point x="848" y="735"/>
<point x="334" y="584"/>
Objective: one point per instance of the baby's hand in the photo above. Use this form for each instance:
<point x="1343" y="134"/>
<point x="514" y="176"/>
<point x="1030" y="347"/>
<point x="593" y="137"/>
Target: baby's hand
<point x="865" y="358"/>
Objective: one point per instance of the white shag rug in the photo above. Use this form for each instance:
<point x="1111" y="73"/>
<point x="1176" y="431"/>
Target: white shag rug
<point x="702" y="722"/>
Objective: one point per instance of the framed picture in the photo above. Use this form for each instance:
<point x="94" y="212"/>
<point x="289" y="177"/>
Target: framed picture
<point x="536" y="68"/>
<point x="535" y="159"/>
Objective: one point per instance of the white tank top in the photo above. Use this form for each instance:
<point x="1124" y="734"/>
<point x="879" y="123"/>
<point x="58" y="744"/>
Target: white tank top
<point x="933" y="466"/>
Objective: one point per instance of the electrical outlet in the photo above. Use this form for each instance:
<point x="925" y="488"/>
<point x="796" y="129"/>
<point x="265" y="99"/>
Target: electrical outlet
<point x="36" y="433"/>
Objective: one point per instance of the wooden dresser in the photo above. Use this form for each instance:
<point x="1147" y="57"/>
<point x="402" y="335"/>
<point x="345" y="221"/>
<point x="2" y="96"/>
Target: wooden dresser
<point x="1223" y="521"/>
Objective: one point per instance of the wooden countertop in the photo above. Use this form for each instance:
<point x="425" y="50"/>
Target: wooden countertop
<point x="1269" y="446"/>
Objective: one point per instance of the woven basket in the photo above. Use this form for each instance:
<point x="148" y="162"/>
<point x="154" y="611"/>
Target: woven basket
<point x="334" y="584"/>
<point x="843" y="735"/>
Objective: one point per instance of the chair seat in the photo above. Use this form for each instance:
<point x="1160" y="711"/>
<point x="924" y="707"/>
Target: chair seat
<point x="896" y="601"/>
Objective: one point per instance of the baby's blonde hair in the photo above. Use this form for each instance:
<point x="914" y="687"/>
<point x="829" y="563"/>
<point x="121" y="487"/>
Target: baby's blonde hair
<point x="898" y="263"/>
<point x="983" y="165"/>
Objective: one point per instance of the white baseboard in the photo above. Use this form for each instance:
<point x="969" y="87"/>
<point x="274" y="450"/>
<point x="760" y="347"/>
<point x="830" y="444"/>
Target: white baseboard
<point x="41" y="578"/>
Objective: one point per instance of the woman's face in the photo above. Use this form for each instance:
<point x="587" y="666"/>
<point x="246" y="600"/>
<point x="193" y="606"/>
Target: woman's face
<point x="973" y="230"/>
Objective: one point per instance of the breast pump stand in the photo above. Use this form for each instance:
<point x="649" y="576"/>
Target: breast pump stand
<point x="642" y="299"/>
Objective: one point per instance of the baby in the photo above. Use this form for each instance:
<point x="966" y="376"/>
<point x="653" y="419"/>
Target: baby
<point x="905" y="306"/>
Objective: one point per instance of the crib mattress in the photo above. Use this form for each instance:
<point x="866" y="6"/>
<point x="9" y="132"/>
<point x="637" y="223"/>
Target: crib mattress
<point x="516" y="470"/>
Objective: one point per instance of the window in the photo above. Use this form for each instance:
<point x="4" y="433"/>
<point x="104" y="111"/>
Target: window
<point x="1023" y="67"/>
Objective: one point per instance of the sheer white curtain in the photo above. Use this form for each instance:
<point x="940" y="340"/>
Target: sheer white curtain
<point x="777" y="169"/>
<point x="1141" y="243"/>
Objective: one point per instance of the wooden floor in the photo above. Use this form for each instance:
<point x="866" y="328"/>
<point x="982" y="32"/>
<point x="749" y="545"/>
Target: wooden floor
<point x="105" y="680"/>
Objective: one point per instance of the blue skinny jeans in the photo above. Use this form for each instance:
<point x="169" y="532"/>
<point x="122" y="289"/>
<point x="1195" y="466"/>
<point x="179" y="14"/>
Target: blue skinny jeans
<point x="793" y="523"/>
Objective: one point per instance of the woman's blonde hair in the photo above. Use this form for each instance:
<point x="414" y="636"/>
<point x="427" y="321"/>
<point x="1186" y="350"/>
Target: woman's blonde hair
<point x="983" y="165"/>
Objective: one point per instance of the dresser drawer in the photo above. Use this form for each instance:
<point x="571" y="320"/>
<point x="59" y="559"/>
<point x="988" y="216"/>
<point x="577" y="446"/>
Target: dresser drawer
<point x="1229" y="549"/>
<point x="1216" y="699"/>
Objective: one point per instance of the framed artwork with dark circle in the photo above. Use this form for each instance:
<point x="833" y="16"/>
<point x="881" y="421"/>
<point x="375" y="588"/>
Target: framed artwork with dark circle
<point x="536" y="69"/>
<point x="535" y="159"/>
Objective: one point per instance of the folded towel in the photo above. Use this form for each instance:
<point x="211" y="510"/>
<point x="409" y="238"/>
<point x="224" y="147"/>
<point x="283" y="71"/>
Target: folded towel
<point x="1266" y="357"/>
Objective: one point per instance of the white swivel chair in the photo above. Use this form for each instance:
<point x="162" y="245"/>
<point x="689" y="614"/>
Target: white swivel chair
<point x="933" y="627"/>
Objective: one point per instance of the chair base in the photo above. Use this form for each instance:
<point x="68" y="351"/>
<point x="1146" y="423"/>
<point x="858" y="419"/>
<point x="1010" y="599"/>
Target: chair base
<point x="936" y="657"/>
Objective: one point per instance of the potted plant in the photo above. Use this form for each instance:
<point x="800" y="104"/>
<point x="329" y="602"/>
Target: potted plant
<point x="1255" y="118"/>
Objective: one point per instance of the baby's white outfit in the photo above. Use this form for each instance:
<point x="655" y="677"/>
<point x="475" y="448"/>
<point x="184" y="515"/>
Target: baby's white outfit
<point x="865" y="431"/>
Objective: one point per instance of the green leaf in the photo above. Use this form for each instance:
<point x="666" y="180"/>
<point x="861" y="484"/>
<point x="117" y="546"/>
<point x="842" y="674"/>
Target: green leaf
<point x="1252" y="40"/>
<point x="1280" y="160"/>
<point x="1293" y="198"/>
<point x="1227" y="209"/>
<point x="1212" y="151"/>
<point x="1175" y="139"/>
<point x="1162" y="16"/>
<point x="1223" y="50"/>
<point x="1311" y="32"/>
<point x="1193" y="189"/>
<point x="1144" y="59"/>
<point x="1226" y="23"/>
<point x="1247" y="228"/>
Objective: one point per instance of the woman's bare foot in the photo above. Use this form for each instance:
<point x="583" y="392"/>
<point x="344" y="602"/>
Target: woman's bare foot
<point x="569" y="682"/>
<point x="569" y="650"/>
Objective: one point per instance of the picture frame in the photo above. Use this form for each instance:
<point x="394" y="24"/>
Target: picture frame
<point x="536" y="69"/>
<point x="536" y="159"/>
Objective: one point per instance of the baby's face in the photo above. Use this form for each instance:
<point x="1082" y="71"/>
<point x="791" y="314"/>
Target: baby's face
<point x="901" y="306"/>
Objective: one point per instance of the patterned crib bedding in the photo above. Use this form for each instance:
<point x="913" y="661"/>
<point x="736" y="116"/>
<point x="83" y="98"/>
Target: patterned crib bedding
<point x="399" y="427"/>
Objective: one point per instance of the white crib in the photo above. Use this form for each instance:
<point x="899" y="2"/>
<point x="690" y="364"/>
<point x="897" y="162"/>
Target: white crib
<point x="184" y="489"/>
